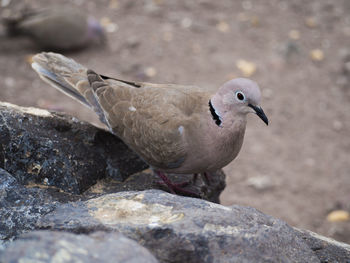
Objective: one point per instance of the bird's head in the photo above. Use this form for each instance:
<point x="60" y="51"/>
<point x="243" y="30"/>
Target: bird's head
<point x="96" y="32"/>
<point x="238" y="97"/>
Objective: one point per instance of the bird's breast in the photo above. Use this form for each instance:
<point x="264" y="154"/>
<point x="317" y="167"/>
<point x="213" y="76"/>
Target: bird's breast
<point x="210" y="148"/>
<point x="225" y="145"/>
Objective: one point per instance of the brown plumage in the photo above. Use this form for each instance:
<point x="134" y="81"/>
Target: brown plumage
<point x="174" y="128"/>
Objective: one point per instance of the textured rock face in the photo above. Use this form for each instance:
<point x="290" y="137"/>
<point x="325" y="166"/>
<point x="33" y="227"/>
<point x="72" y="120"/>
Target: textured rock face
<point x="20" y="207"/>
<point x="179" y="229"/>
<point x="326" y="249"/>
<point x="173" y="228"/>
<point x="40" y="147"/>
<point x="49" y="246"/>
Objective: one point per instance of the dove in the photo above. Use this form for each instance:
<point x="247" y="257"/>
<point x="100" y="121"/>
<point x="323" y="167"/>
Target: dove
<point x="174" y="128"/>
<point x="56" y="28"/>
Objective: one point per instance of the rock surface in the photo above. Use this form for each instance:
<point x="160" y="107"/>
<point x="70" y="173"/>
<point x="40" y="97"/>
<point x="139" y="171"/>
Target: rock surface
<point x="52" y="149"/>
<point x="20" y="207"/>
<point x="180" y="229"/>
<point x="49" y="246"/>
<point x="173" y="228"/>
<point x="326" y="249"/>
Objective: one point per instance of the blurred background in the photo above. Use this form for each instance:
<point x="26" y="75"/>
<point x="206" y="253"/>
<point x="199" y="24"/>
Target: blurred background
<point x="297" y="168"/>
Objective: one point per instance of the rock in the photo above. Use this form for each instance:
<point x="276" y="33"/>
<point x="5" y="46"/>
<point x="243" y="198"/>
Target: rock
<point x="40" y="147"/>
<point x="49" y="246"/>
<point x="326" y="249"/>
<point x="173" y="228"/>
<point x="317" y="55"/>
<point x="247" y="68"/>
<point x="182" y="229"/>
<point x="20" y="207"/>
<point x="338" y="216"/>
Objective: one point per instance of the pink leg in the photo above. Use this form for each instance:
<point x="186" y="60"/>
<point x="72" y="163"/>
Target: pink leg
<point x="175" y="188"/>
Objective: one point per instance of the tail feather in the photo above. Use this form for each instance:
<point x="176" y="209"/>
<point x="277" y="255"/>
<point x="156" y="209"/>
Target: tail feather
<point x="69" y="77"/>
<point x="61" y="72"/>
<point x="58" y="83"/>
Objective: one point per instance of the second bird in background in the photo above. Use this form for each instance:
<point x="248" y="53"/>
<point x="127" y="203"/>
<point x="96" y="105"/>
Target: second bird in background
<point x="54" y="28"/>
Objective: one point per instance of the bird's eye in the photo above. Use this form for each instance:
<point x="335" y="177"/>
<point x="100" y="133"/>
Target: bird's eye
<point x="240" y="96"/>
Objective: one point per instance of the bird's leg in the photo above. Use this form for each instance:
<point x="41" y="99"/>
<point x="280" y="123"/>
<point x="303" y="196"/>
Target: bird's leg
<point x="166" y="181"/>
<point x="176" y="188"/>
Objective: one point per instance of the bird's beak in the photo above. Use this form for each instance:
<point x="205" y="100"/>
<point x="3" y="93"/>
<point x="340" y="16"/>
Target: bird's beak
<point x="259" y="111"/>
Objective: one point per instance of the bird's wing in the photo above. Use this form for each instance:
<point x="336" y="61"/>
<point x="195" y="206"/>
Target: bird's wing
<point x="150" y="118"/>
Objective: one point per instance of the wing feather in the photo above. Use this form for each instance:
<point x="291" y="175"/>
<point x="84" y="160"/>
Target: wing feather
<point x="148" y="118"/>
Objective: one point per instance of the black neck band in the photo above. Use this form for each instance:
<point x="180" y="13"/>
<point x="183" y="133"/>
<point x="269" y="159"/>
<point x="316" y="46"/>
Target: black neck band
<point x="216" y="117"/>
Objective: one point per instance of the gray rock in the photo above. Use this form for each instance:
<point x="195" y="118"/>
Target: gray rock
<point x="49" y="246"/>
<point x="326" y="249"/>
<point x="20" y="207"/>
<point x="174" y="228"/>
<point x="53" y="149"/>
<point x="179" y="229"/>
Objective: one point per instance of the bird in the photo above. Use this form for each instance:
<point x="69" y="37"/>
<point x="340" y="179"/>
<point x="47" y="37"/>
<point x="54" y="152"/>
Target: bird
<point x="180" y="129"/>
<point x="61" y="28"/>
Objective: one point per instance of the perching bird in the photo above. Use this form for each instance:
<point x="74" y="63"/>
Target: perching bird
<point x="55" y="28"/>
<point x="174" y="128"/>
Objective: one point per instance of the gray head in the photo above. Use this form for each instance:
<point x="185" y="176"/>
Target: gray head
<point x="96" y="32"/>
<point x="238" y="97"/>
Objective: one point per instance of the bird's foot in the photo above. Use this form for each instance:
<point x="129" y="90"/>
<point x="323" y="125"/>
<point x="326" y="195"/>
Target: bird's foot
<point x="176" y="188"/>
<point x="178" y="185"/>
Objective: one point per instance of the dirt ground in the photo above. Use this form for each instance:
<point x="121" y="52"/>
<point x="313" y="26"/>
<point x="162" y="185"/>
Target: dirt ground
<point x="298" y="167"/>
